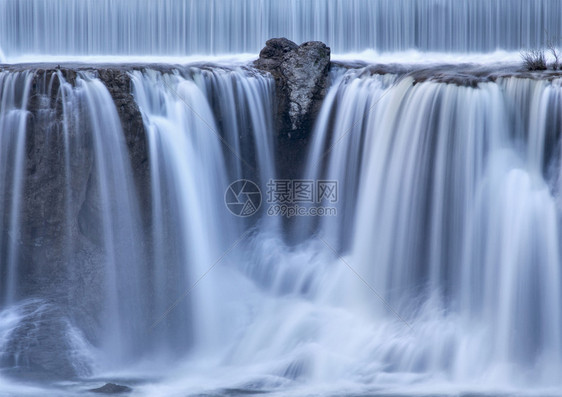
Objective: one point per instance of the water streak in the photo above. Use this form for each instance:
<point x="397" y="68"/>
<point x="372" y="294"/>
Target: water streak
<point x="185" y="27"/>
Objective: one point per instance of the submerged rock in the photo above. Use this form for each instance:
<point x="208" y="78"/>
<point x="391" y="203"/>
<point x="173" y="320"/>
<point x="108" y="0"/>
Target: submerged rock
<point x="39" y="342"/>
<point x="112" y="388"/>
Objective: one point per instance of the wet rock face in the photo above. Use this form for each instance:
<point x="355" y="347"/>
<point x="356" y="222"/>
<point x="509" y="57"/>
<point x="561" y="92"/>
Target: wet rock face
<point x="301" y="80"/>
<point x="53" y="200"/>
<point x="43" y="344"/>
<point x="301" y="75"/>
<point x="60" y="260"/>
<point x="306" y="70"/>
<point x="118" y="83"/>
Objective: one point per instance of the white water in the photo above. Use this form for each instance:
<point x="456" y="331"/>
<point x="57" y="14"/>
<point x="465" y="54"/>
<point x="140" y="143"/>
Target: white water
<point x="439" y="275"/>
<point x="455" y="211"/>
<point x="447" y="272"/>
<point x="449" y="275"/>
<point x="192" y="159"/>
<point x="13" y="121"/>
<point x="109" y="215"/>
<point x="187" y="168"/>
<point x="120" y="229"/>
<point x="168" y="27"/>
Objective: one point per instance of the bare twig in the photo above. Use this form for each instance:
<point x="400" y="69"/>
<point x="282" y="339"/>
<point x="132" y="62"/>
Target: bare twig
<point x="534" y="59"/>
<point x="555" y="54"/>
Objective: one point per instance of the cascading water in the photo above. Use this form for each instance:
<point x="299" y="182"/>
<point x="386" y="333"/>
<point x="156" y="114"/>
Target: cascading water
<point x="120" y="234"/>
<point x="13" y="119"/>
<point x="87" y="108"/>
<point x="128" y="253"/>
<point x="443" y="264"/>
<point x="455" y="209"/>
<point x="99" y="229"/>
<point x="437" y="193"/>
<point x="186" y="27"/>
<point x="192" y="160"/>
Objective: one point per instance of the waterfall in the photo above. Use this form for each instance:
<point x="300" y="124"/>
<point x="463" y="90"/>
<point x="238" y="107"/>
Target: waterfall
<point x="13" y="121"/>
<point x="443" y="260"/>
<point x="187" y="27"/>
<point x="95" y="243"/>
<point x="119" y="229"/>
<point x="101" y="206"/>
<point x="454" y="204"/>
<point x="193" y="160"/>
<point x="146" y="232"/>
<point x="187" y="172"/>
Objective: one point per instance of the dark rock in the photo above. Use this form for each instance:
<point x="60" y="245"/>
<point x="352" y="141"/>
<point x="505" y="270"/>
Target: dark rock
<point x="271" y="55"/>
<point x="306" y="72"/>
<point x="301" y="82"/>
<point x="301" y="76"/>
<point x="112" y="388"/>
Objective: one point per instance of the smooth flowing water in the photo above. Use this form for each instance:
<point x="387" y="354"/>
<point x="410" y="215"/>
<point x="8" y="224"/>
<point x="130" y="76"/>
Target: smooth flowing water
<point x="13" y="119"/>
<point x="442" y="266"/>
<point x="185" y="27"/>
<point x="142" y="255"/>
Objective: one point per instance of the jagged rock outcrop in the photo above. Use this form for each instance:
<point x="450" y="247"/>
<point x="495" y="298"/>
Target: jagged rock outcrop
<point x="301" y="80"/>
<point x="301" y="77"/>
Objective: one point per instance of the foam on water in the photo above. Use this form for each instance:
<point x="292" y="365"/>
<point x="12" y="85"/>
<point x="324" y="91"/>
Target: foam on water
<point x="440" y="273"/>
